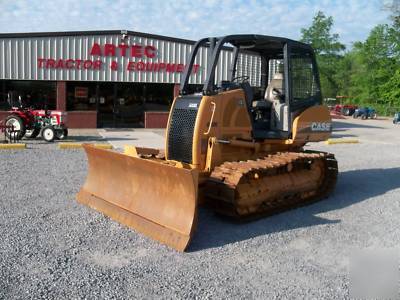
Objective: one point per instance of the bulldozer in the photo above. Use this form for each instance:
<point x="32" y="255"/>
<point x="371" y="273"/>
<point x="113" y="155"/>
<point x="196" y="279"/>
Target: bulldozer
<point x="234" y="145"/>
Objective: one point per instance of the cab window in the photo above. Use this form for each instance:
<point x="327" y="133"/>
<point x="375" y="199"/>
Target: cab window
<point x="304" y="83"/>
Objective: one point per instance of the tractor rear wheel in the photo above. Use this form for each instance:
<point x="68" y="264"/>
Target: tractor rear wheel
<point x="48" y="133"/>
<point x="19" y="127"/>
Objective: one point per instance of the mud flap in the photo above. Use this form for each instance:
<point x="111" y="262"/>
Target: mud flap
<point x="156" y="199"/>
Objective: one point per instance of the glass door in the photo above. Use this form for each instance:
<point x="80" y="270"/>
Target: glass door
<point x="105" y="104"/>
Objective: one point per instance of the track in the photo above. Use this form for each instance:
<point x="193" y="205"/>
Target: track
<point x="272" y="184"/>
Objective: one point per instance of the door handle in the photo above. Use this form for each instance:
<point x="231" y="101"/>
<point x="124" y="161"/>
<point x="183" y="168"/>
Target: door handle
<point x="212" y="118"/>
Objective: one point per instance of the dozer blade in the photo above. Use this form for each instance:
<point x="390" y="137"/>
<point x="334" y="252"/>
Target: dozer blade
<point x="154" y="198"/>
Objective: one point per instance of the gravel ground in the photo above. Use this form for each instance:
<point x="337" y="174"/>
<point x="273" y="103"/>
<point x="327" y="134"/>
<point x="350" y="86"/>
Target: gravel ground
<point x="51" y="247"/>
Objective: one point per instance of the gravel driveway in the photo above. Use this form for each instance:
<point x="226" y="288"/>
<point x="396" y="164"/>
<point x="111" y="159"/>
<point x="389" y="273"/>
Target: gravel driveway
<point x="51" y="247"/>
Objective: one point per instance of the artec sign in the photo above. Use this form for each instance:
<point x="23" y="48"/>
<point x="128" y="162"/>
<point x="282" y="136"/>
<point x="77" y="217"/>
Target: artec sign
<point x="140" y="54"/>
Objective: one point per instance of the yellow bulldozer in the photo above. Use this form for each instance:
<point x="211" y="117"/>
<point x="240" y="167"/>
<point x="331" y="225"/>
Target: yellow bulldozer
<point x="236" y="146"/>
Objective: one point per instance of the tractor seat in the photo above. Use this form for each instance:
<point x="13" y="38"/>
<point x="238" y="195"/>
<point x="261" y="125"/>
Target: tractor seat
<point x="276" y="83"/>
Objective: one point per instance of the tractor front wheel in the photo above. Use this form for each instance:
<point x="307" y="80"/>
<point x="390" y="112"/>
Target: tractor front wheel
<point x="62" y="134"/>
<point x="18" y="127"/>
<point x="48" y="133"/>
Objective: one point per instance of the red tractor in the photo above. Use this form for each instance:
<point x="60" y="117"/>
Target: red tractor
<point x="345" y="109"/>
<point x="31" y="122"/>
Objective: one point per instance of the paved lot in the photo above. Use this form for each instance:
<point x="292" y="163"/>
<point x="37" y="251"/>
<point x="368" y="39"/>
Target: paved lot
<point x="150" y="138"/>
<point x="52" y="247"/>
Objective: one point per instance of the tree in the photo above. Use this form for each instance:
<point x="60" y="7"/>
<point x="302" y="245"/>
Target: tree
<point x="369" y="72"/>
<point x="343" y="74"/>
<point x="373" y="64"/>
<point x="394" y="8"/>
<point x="391" y="90"/>
<point x="328" y="50"/>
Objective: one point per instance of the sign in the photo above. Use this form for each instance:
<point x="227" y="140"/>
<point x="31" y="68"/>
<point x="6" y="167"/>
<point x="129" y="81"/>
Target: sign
<point x="123" y="50"/>
<point x="321" y="126"/>
<point x="81" y="92"/>
<point x="142" y="52"/>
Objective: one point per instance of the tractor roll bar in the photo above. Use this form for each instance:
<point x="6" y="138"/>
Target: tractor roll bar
<point x="259" y="43"/>
<point x="189" y="66"/>
<point x="216" y="45"/>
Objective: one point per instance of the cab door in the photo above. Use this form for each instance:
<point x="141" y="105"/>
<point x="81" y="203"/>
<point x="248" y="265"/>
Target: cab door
<point x="304" y="89"/>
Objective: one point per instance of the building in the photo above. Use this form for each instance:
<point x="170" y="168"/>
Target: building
<point x="103" y="78"/>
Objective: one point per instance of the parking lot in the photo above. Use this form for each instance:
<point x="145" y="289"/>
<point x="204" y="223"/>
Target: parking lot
<point x="53" y="247"/>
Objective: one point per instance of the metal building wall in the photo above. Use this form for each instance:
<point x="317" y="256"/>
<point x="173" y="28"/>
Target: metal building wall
<point x="19" y="59"/>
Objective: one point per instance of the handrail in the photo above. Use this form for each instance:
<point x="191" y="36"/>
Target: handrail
<point x="212" y="118"/>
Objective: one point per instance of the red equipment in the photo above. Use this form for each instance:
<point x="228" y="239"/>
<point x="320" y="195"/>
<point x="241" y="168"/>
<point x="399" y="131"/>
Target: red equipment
<point x="344" y="109"/>
<point x="30" y="123"/>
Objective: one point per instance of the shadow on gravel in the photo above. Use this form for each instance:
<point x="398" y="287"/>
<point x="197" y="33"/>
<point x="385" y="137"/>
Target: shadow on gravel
<point x="119" y="129"/>
<point x="353" y="187"/>
<point x="339" y="135"/>
<point x="70" y="138"/>
<point x="83" y="138"/>
<point x="120" y="139"/>
<point x="337" y="125"/>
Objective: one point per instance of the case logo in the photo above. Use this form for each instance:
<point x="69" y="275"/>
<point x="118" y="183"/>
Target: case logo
<point x="321" y="126"/>
<point x="193" y="105"/>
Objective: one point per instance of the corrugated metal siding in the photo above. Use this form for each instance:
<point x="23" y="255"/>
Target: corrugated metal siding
<point x="19" y="60"/>
<point x="249" y="65"/>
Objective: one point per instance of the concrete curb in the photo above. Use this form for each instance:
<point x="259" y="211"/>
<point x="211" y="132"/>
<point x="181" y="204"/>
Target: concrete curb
<point x="79" y="145"/>
<point x="13" y="146"/>
<point x="341" y="141"/>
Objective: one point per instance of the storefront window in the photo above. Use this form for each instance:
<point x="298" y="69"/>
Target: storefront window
<point x="81" y="96"/>
<point x="159" y="97"/>
<point x="116" y="103"/>
<point x="124" y="104"/>
<point x="129" y="101"/>
<point x="35" y="94"/>
<point x="3" y="97"/>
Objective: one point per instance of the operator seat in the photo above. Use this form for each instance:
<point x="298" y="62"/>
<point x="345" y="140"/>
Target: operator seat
<point x="274" y="95"/>
<point x="277" y="84"/>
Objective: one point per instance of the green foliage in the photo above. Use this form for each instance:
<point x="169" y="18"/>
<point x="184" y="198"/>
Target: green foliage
<point x="328" y="51"/>
<point x="369" y="73"/>
<point x="374" y="63"/>
<point x="391" y="90"/>
<point x="320" y="37"/>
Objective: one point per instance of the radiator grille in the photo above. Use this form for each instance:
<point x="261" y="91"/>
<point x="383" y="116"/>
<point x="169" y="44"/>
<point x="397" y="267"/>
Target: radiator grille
<point x="180" y="137"/>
